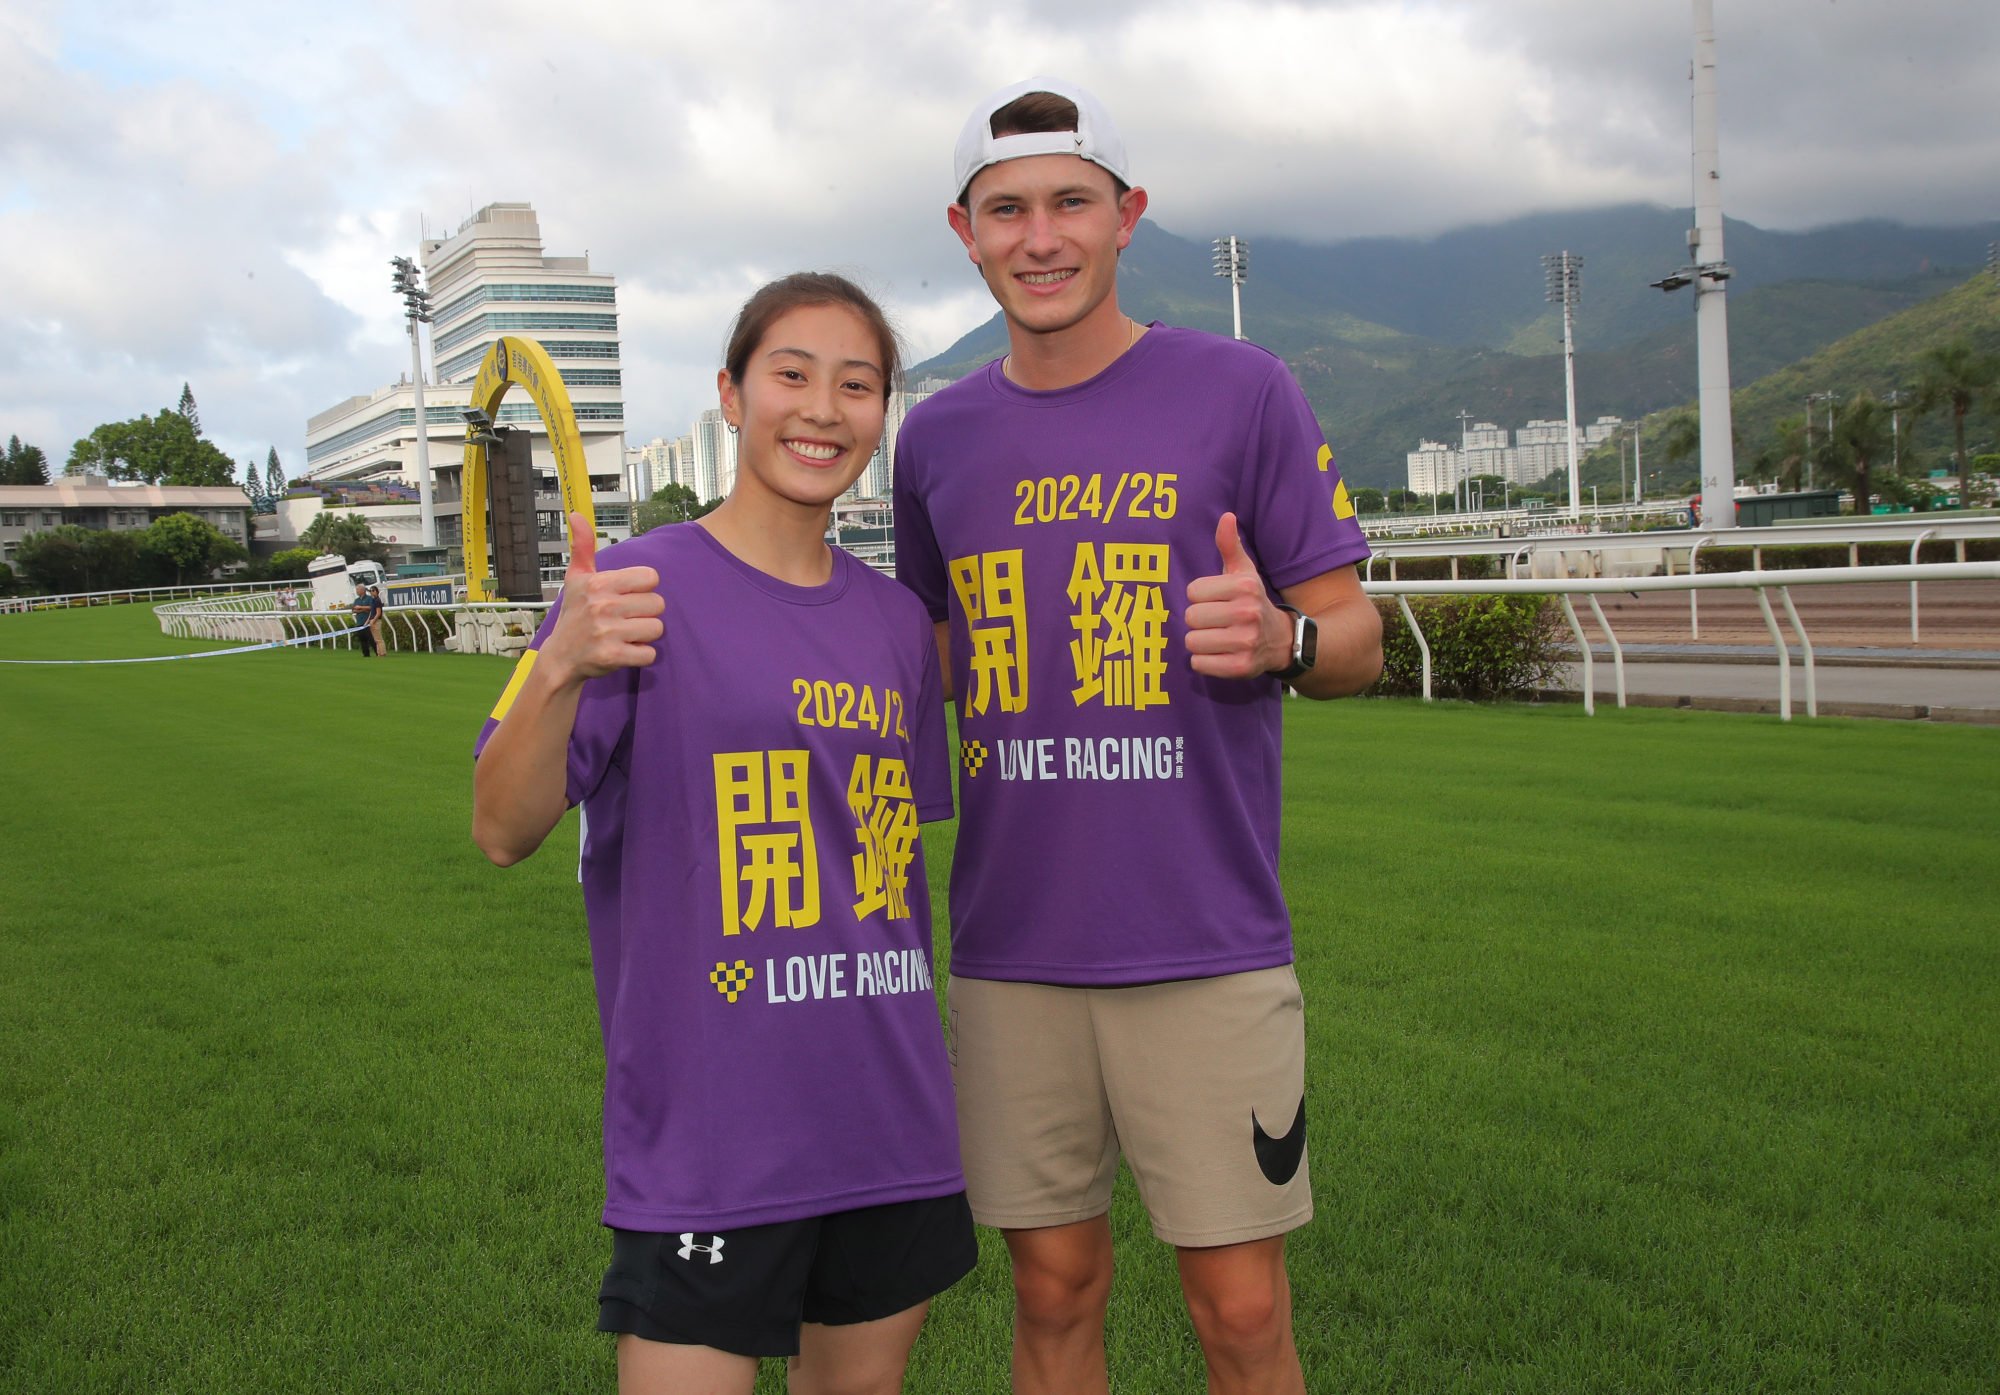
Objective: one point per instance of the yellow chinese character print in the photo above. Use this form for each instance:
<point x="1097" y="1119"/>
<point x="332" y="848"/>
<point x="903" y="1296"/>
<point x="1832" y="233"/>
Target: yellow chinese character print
<point x="885" y="812"/>
<point x="764" y="839"/>
<point x="1120" y="618"/>
<point x="991" y="593"/>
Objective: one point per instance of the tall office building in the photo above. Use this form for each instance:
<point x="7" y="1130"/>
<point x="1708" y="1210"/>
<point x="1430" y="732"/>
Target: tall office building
<point x="490" y="279"/>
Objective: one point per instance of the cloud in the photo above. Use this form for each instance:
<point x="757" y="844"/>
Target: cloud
<point x="210" y="192"/>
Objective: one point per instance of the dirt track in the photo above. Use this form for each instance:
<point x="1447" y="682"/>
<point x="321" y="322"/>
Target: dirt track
<point x="1962" y="615"/>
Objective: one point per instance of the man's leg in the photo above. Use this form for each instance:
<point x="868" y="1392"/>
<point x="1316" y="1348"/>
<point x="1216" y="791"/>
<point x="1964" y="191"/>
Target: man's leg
<point x="862" y="1358"/>
<point x="1207" y="1085"/>
<point x="1062" y="1287"/>
<point x="1040" y="1160"/>
<point x="1240" y="1299"/>
<point x="667" y="1368"/>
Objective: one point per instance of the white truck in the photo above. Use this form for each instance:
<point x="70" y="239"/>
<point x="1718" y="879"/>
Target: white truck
<point x="335" y="579"/>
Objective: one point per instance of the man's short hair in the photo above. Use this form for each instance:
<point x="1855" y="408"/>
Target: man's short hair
<point x="1018" y="121"/>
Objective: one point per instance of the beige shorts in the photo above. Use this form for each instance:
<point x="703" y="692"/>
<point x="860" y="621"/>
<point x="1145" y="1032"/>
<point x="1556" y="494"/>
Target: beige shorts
<point x="1199" y="1083"/>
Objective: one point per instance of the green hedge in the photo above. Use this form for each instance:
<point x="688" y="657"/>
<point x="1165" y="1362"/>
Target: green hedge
<point x="1876" y="554"/>
<point x="1482" y="647"/>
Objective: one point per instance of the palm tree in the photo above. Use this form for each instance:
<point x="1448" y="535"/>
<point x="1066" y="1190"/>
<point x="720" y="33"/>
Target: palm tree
<point x="1784" y="458"/>
<point x="1956" y="375"/>
<point x="1860" y="438"/>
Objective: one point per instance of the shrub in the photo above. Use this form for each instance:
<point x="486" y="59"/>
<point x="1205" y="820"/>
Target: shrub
<point x="1482" y="647"/>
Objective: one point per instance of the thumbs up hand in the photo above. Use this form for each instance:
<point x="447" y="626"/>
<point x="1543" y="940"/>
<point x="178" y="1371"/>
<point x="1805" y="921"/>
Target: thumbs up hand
<point x="610" y="620"/>
<point x="1233" y="630"/>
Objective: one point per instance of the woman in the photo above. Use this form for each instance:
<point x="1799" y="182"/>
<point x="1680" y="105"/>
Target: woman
<point x="752" y="723"/>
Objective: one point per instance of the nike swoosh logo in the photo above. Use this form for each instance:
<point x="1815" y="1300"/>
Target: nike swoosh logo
<point x="1279" y="1158"/>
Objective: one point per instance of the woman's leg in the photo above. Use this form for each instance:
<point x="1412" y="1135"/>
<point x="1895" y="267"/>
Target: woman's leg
<point x="862" y="1358"/>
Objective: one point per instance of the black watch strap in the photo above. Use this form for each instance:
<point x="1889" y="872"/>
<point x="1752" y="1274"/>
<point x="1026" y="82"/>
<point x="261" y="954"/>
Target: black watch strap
<point x="1305" y="644"/>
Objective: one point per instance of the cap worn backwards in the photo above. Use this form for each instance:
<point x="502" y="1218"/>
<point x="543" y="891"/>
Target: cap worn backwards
<point x="1094" y="139"/>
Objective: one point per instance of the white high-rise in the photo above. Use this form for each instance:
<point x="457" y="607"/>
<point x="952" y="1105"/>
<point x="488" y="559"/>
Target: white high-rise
<point x="490" y="279"/>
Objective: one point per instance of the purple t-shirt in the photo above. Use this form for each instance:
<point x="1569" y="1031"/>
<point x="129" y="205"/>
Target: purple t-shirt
<point x="1118" y="811"/>
<point x="759" y="917"/>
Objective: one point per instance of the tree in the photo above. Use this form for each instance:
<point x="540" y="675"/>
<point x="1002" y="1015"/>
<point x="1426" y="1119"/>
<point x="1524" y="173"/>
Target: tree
<point x="1954" y="376"/>
<point x="1784" y="459"/>
<point x="1368" y="500"/>
<point x="1860" y="437"/>
<point x="24" y="464"/>
<point x="291" y="564"/>
<point x="1401" y="499"/>
<point x="1680" y="438"/>
<point x="253" y="486"/>
<point x="72" y="558"/>
<point x="158" y="450"/>
<point x="188" y="410"/>
<point x="345" y="534"/>
<point x="190" y="545"/>
<point x="274" y="482"/>
<point x="671" y="503"/>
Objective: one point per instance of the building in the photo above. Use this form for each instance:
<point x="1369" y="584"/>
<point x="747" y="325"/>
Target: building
<point x="874" y="482"/>
<point x="92" y="501"/>
<point x="714" y="456"/>
<point x="1537" y="450"/>
<point x="659" y="463"/>
<point x="1432" y="468"/>
<point x="489" y="279"/>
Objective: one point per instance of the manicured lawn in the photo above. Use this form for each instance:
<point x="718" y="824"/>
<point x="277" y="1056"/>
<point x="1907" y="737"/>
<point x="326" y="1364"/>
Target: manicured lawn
<point x="1650" y="1052"/>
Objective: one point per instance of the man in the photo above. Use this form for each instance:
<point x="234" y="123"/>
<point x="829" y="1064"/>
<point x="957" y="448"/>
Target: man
<point x="1121" y="952"/>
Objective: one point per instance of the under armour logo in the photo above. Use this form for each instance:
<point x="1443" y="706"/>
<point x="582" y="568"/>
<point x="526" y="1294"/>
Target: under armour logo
<point x="689" y="1248"/>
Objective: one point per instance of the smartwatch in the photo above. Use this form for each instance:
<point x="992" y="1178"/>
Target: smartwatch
<point x="1305" y="644"/>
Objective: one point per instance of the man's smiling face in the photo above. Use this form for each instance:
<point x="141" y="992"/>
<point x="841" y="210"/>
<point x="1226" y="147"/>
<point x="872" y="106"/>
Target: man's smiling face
<point x="1045" y="231"/>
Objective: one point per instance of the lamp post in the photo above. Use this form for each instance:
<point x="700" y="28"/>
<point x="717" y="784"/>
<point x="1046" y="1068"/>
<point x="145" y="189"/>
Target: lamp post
<point x="1709" y="274"/>
<point x="1564" y="271"/>
<point x="1896" y="399"/>
<point x="1232" y="262"/>
<point x="1829" y="398"/>
<point x="417" y="310"/>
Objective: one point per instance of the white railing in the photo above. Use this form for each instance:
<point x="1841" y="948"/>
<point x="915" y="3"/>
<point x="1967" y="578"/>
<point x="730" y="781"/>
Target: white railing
<point x="21" y="605"/>
<point x="1763" y="583"/>
<point x="490" y="627"/>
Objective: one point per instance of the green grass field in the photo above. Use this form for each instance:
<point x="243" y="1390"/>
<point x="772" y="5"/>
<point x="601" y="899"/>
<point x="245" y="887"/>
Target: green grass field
<point x="1655" y="1051"/>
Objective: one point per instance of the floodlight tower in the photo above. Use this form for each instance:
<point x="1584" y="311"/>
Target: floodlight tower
<point x="417" y="310"/>
<point x="1708" y="273"/>
<point x="1565" y="277"/>
<point x="1232" y="260"/>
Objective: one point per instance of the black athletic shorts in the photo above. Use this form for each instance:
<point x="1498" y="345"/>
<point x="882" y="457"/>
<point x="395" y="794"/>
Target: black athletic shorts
<point x="748" y="1290"/>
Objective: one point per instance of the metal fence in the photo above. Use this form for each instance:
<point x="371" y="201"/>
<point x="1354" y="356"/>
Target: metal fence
<point x="1763" y="583"/>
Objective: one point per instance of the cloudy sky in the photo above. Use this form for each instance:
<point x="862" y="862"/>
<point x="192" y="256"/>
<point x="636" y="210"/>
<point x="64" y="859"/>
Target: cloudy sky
<point x="210" y="192"/>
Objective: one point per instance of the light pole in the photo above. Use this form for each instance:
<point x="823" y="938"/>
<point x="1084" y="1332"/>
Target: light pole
<point x="1565" y="287"/>
<point x="1638" y="475"/>
<point x="1709" y="274"/>
<point x="1232" y="261"/>
<point x="1829" y="398"/>
<point x="1896" y="399"/>
<point x="1464" y="471"/>
<point x="417" y="310"/>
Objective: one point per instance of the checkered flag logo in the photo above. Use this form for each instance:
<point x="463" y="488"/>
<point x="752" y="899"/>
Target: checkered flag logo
<point x="731" y="979"/>
<point x="973" y="753"/>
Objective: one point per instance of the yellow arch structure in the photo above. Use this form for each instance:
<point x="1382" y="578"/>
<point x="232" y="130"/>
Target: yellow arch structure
<point x="510" y="361"/>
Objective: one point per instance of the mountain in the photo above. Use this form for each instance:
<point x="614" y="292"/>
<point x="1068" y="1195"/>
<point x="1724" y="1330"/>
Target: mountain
<point x="1392" y="337"/>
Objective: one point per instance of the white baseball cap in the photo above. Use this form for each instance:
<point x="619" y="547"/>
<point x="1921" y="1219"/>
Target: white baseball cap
<point x="1095" y="138"/>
